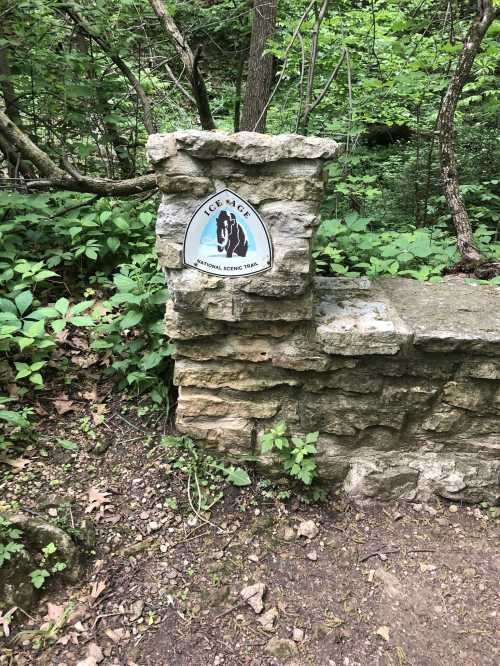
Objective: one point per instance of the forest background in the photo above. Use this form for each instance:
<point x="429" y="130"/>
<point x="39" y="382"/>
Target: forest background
<point x="83" y="84"/>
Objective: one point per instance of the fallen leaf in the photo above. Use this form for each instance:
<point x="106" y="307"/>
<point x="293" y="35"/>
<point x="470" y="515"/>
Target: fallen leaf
<point x="94" y="652"/>
<point x="62" y="405"/>
<point x="383" y="632"/>
<point x="54" y="611"/>
<point x="98" y="412"/>
<point x="5" y="620"/>
<point x="97" y="500"/>
<point x="85" y="361"/>
<point x="116" y="635"/>
<point x="89" y="395"/>
<point x="97" y="589"/>
<point x="135" y="610"/>
<point x="17" y="464"/>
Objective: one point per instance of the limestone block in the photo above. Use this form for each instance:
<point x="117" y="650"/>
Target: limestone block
<point x="443" y="419"/>
<point x="450" y="316"/>
<point x="174" y="213"/>
<point x="465" y="395"/>
<point x="169" y="254"/>
<point x="229" y="435"/>
<point x="341" y="414"/>
<point x="247" y="147"/>
<point x="259" y="308"/>
<point x="352" y="381"/>
<point x="292" y="167"/>
<point x="481" y="368"/>
<point x="359" y="328"/>
<point x="299" y="352"/>
<point x="181" y="164"/>
<point x="231" y="375"/>
<point x="279" y="329"/>
<point x="160" y="147"/>
<point x="369" y="479"/>
<point x="257" y="190"/>
<point x="232" y="347"/>
<point x="293" y="256"/>
<point x="274" y="285"/>
<point x="290" y="219"/>
<point x="195" y="185"/>
<point x="182" y="326"/>
<point x="195" y="402"/>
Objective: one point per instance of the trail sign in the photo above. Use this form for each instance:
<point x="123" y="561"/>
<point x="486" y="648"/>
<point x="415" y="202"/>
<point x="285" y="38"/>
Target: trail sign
<point x="227" y="237"/>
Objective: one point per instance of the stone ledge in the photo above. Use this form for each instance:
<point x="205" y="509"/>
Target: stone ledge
<point x="246" y="147"/>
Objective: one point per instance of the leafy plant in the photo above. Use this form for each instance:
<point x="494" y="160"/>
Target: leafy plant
<point x="297" y="454"/>
<point x="10" y="541"/>
<point x="48" y="567"/>
<point x="205" y="474"/>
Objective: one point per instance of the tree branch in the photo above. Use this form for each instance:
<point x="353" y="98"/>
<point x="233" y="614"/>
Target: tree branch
<point x="121" y="64"/>
<point x="190" y="61"/>
<point x="71" y="180"/>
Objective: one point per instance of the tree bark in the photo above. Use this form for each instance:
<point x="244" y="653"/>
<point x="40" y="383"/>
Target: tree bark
<point x="465" y="239"/>
<point x="190" y="61"/>
<point x="260" y="67"/>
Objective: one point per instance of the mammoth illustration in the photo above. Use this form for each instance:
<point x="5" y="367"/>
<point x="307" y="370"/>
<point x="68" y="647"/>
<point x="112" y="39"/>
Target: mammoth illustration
<point x="231" y="236"/>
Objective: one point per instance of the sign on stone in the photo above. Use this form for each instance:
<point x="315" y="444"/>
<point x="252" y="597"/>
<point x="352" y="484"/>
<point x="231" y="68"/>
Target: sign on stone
<point x="226" y="237"/>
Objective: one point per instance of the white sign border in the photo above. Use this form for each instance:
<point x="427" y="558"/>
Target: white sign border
<point x="231" y="277"/>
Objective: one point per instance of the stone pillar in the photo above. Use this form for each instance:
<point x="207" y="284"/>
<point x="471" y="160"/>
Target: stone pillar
<point x="232" y="335"/>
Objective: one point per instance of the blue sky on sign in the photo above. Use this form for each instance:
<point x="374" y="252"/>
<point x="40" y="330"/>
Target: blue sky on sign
<point x="209" y="233"/>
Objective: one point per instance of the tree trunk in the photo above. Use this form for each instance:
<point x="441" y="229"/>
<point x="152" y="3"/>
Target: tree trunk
<point x="449" y="175"/>
<point x="260" y="67"/>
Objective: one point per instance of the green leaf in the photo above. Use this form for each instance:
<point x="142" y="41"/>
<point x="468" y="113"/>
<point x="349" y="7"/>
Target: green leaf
<point x="151" y="360"/>
<point x="82" y="320"/>
<point x="58" y="325"/>
<point x="105" y="215"/>
<point x="43" y="275"/>
<point x="67" y="444"/>
<point x="24" y="342"/>
<point x="121" y="223"/>
<point x="38" y="577"/>
<point x="312" y="437"/>
<point x="23" y="301"/>
<point x="36" y="378"/>
<point x="14" y="417"/>
<point x="62" y="305"/>
<point x="113" y="243"/>
<point x="81" y="307"/>
<point x="35" y="329"/>
<point x="23" y="370"/>
<point x="7" y="306"/>
<point x="237" y="476"/>
<point x="132" y="318"/>
<point x="124" y="283"/>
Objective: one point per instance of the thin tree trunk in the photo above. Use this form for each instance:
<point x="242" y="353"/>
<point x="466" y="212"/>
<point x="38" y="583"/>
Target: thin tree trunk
<point x="119" y="62"/>
<point x="260" y="67"/>
<point x="190" y="61"/>
<point x="449" y="175"/>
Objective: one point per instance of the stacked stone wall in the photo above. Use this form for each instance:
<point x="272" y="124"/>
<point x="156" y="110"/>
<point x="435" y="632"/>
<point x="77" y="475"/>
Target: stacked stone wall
<point x="402" y="379"/>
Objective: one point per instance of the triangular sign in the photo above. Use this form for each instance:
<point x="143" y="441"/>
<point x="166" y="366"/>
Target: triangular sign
<point x="226" y="237"/>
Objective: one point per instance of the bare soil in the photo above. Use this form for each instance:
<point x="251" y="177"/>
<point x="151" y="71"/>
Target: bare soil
<point x="380" y="584"/>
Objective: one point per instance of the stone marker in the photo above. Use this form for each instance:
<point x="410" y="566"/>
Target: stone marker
<point x="402" y="379"/>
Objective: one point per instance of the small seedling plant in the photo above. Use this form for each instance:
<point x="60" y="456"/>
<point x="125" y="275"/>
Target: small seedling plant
<point x="48" y="566"/>
<point x="205" y="474"/>
<point x="297" y="454"/>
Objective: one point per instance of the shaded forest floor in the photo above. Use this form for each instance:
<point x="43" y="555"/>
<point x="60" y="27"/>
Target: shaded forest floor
<point x="386" y="584"/>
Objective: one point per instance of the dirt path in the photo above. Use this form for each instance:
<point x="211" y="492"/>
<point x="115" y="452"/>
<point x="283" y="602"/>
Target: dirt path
<point x="389" y="585"/>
